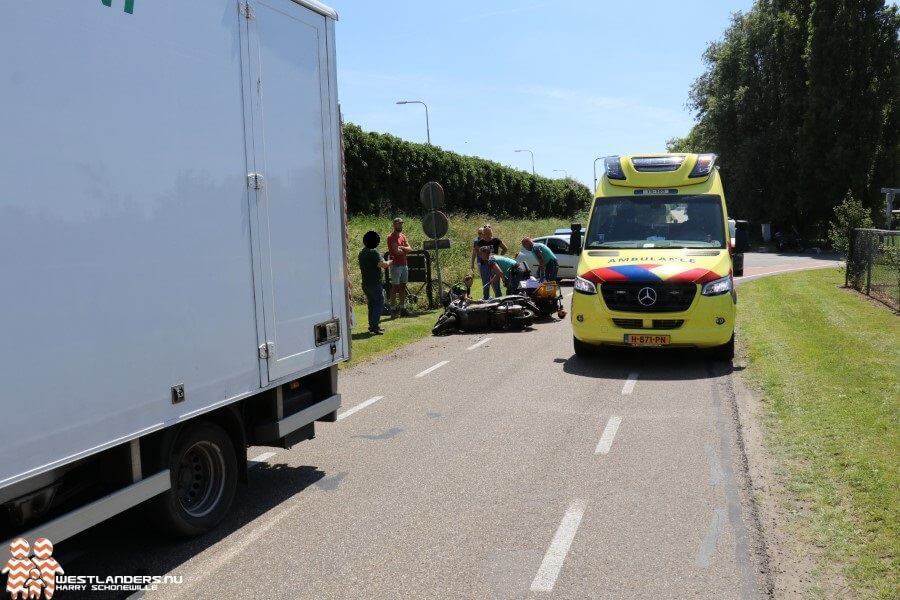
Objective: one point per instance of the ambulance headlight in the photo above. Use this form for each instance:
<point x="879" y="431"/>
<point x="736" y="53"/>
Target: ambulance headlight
<point x="584" y="286"/>
<point x="717" y="287"/>
<point x="704" y="166"/>
<point x="613" y="165"/>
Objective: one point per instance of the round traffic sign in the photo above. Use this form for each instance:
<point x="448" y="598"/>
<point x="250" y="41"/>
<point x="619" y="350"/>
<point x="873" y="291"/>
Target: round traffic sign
<point x="435" y="224"/>
<point x="432" y="195"/>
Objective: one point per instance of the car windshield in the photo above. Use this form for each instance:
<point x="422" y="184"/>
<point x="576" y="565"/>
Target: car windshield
<point x="657" y="222"/>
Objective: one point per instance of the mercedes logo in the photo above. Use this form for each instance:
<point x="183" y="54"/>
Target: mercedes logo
<point x="647" y="296"/>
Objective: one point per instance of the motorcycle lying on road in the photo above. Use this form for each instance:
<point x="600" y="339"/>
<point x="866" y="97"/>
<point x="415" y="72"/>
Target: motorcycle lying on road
<point x="506" y="313"/>
<point x="546" y="295"/>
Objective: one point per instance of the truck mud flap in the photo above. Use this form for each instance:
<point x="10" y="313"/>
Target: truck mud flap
<point x="283" y="428"/>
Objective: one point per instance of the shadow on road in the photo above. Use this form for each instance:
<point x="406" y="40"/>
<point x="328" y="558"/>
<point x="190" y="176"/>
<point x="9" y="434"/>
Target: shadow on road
<point x="130" y="544"/>
<point x="651" y="364"/>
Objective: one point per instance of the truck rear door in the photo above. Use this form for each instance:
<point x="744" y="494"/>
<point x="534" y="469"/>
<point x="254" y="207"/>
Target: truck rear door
<point x="289" y="98"/>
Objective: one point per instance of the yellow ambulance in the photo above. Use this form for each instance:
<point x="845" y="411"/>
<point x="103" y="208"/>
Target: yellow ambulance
<point x="655" y="266"/>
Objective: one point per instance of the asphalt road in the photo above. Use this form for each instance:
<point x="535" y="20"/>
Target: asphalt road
<point x="486" y="466"/>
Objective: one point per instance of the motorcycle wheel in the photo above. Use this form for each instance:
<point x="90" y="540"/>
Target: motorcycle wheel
<point x="445" y="324"/>
<point x="522" y="320"/>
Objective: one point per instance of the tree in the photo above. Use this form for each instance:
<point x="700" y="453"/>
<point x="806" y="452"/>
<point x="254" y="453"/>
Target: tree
<point x="799" y="101"/>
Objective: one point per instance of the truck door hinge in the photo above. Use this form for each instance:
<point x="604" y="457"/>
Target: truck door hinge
<point x="266" y="350"/>
<point x="247" y="11"/>
<point x="255" y="181"/>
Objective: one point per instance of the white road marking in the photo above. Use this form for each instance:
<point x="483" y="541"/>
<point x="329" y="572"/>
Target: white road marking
<point x="258" y="460"/>
<point x="559" y="547"/>
<point x="432" y="368"/>
<point x="609" y="433"/>
<point x="629" y="384"/>
<point x="358" y="407"/>
<point x="481" y="343"/>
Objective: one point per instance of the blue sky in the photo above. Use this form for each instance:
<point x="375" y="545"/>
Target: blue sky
<point x="571" y="80"/>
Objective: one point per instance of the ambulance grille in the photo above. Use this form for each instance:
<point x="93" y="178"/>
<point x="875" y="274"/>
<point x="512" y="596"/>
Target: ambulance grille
<point x="670" y="297"/>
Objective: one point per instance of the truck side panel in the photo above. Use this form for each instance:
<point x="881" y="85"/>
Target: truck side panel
<point x="290" y="122"/>
<point x="125" y="229"/>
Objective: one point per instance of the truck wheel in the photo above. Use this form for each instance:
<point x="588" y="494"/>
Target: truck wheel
<point x="725" y="352"/>
<point x="204" y="476"/>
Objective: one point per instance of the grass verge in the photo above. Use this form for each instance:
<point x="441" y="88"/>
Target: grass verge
<point x="397" y="333"/>
<point x="828" y="366"/>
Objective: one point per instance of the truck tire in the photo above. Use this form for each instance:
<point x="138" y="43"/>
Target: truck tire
<point x="725" y="352"/>
<point x="204" y="475"/>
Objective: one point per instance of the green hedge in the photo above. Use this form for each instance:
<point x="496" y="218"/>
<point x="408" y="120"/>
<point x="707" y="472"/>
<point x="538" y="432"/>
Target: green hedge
<point x="385" y="173"/>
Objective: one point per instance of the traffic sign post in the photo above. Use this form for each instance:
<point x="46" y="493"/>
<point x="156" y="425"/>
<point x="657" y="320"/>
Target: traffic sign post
<point x="435" y="224"/>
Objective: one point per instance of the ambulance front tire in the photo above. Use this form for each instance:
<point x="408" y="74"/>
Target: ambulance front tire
<point x="585" y="349"/>
<point x="725" y="352"/>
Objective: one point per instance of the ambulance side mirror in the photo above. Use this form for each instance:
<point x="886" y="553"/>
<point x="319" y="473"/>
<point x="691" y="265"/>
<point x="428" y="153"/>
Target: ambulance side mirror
<point x="575" y="239"/>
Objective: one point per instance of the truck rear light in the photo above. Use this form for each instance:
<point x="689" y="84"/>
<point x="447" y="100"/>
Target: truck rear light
<point x="704" y="166"/>
<point x="613" y="165"/>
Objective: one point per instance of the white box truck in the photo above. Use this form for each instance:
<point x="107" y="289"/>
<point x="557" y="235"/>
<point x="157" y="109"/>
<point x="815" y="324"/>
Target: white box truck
<point x="172" y="252"/>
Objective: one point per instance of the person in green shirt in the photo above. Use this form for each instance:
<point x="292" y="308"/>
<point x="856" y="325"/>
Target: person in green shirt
<point x="371" y="266"/>
<point x="501" y="268"/>
<point x="548" y="265"/>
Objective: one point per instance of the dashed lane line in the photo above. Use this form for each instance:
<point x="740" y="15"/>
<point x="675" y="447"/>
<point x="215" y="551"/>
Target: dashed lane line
<point x="629" y="384"/>
<point x="609" y="434"/>
<point x="431" y="368"/>
<point x="553" y="561"/>
<point x="479" y="344"/>
<point x="359" y="407"/>
<point x="258" y="460"/>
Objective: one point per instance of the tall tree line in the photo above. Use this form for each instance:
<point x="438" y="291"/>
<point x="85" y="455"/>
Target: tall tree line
<point x="799" y="99"/>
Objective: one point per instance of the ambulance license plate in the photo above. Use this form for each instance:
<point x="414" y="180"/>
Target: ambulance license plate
<point x="643" y="339"/>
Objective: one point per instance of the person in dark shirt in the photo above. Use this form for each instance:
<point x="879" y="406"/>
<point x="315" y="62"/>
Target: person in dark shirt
<point x="371" y="265"/>
<point x="486" y="239"/>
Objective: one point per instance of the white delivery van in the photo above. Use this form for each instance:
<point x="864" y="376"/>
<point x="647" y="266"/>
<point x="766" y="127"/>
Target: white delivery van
<point x="172" y="252"/>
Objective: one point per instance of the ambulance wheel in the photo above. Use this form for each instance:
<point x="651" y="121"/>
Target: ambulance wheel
<point x="204" y="474"/>
<point x="725" y="352"/>
<point x="584" y="349"/>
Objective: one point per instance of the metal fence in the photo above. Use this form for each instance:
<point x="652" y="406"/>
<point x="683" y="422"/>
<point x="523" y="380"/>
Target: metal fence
<point x="873" y="264"/>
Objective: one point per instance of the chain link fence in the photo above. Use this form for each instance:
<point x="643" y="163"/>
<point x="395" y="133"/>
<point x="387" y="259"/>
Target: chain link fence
<point x="873" y="264"/>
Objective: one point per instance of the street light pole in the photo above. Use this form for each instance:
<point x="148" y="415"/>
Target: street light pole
<point x="532" y="159"/>
<point x="427" y="124"/>
<point x="595" y="173"/>
<point x="563" y="171"/>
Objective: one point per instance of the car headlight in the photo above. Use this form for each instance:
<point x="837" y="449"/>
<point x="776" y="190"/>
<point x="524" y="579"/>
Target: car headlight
<point x="717" y="287"/>
<point x="584" y="286"/>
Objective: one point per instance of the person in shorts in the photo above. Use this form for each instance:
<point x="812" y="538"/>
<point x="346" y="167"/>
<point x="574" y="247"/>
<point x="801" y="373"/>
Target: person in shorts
<point x="398" y="248"/>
